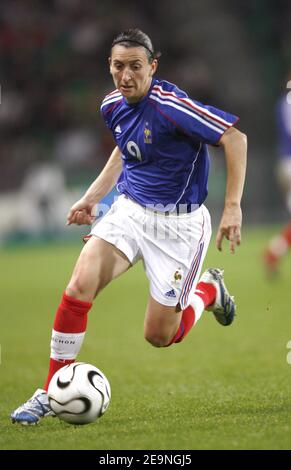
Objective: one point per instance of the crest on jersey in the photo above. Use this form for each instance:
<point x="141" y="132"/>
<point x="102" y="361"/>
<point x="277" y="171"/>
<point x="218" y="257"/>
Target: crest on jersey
<point x="177" y="278"/>
<point x="147" y="135"/>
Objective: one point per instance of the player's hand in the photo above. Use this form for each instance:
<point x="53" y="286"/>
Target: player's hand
<point x="81" y="213"/>
<point x="230" y="228"/>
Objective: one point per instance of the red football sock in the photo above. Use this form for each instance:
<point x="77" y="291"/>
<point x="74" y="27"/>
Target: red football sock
<point x="277" y="248"/>
<point x="206" y="292"/>
<point x="54" y="366"/>
<point x="187" y="321"/>
<point x="286" y="233"/>
<point x="71" y="318"/>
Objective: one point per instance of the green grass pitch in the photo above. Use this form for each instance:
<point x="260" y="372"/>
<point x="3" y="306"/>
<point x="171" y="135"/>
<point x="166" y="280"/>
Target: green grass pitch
<point x="222" y="388"/>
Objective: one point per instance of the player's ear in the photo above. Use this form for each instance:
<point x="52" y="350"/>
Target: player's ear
<point x="154" y="66"/>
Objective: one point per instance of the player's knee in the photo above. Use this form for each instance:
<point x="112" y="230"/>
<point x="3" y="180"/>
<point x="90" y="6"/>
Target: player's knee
<point x="80" y="291"/>
<point x="157" y="340"/>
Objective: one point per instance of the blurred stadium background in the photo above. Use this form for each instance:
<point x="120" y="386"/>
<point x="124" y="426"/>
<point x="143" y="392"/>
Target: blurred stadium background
<point x="54" y="74"/>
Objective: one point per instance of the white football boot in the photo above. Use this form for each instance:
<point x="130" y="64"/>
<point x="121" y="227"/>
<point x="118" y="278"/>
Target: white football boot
<point x="223" y="307"/>
<point x="33" y="410"/>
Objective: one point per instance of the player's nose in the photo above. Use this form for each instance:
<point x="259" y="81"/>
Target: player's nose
<point x="126" y="76"/>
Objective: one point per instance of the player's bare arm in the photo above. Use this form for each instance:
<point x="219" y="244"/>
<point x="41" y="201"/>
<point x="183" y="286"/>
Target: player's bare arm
<point x="81" y="212"/>
<point x="234" y="144"/>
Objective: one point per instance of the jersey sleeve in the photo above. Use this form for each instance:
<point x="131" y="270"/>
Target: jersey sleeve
<point x="201" y="122"/>
<point x="283" y="118"/>
<point x="208" y="123"/>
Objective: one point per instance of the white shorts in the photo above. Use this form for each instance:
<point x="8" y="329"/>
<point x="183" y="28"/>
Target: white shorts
<point x="284" y="176"/>
<point x="172" y="247"/>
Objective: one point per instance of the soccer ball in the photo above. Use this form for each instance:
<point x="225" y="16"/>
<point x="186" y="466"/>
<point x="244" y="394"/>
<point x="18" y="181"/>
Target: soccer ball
<point x="79" y="393"/>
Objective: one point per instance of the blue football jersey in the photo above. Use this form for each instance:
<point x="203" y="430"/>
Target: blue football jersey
<point x="163" y="140"/>
<point x="284" y="127"/>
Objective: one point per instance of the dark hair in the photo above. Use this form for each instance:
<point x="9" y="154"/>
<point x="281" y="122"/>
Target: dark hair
<point x="136" y="38"/>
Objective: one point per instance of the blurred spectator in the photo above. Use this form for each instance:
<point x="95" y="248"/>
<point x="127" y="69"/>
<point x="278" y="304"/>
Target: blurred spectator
<point x="75" y="149"/>
<point x="53" y="78"/>
<point x="43" y="201"/>
<point x="281" y="243"/>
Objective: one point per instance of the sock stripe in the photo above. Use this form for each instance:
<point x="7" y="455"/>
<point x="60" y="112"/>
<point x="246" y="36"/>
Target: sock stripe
<point x="65" y="346"/>
<point x="182" y="331"/>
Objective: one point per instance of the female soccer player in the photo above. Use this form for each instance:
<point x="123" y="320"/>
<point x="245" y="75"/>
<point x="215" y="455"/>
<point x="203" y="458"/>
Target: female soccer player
<point x="160" y="165"/>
